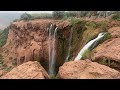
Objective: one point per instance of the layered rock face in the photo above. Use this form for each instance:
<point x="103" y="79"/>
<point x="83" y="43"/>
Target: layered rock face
<point x="28" y="70"/>
<point x="85" y="69"/>
<point x="108" y="53"/>
<point x="26" y="41"/>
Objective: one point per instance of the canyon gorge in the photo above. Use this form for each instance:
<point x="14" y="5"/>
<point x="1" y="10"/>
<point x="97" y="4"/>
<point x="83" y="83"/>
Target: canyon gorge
<point x="77" y="48"/>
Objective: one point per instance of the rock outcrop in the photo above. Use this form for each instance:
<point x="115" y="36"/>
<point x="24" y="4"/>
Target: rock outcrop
<point x="115" y="32"/>
<point x="85" y="69"/>
<point x="28" y="70"/>
<point x="108" y="52"/>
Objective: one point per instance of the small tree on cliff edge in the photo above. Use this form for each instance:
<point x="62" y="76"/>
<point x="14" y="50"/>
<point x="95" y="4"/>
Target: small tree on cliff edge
<point x="25" y="16"/>
<point x="58" y="14"/>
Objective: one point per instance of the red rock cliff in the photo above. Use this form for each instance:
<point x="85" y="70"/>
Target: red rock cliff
<point x="28" y="41"/>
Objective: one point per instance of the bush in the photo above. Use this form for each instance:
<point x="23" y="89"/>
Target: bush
<point x="15" y="20"/>
<point x="102" y="25"/>
<point x="116" y="16"/>
<point x="74" y="21"/>
<point x="58" y="14"/>
<point x="92" y="25"/>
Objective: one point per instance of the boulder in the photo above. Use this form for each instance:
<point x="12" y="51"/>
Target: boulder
<point x="85" y="69"/>
<point x="28" y="70"/>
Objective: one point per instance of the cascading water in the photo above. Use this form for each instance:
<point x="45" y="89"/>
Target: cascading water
<point x="50" y="46"/>
<point x="88" y="45"/>
<point x="52" y="49"/>
<point x="70" y="40"/>
<point x="52" y="67"/>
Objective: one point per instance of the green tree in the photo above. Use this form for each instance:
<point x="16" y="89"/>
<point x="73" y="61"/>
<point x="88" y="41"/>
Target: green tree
<point x="15" y="20"/>
<point x="25" y="16"/>
<point x="58" y="14"/>
<point x="71" y="14"/>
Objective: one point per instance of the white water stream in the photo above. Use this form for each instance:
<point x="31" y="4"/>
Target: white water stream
<point x="88" y="45"/>
<point x="52" y="49"/>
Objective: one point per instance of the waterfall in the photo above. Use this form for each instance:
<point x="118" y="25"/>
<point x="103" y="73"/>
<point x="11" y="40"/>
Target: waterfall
<point x="52" y="49"/>
<point x="52" y="67"/>
<point x="88" y="45"/>
<point x="69" y="47"/>
<point x="50" y="46"/>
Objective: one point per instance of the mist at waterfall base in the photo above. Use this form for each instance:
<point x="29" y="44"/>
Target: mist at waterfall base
<point x="52" y="48"/>
<point x="89" y="45"/>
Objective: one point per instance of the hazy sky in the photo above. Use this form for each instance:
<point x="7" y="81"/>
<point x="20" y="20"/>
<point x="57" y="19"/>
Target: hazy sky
<point x="26" y="11"/>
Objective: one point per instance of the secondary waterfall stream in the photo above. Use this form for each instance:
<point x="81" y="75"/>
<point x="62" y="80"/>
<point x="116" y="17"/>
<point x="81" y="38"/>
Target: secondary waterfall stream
<point x="69" y="47"/>
<point x="52" y="49"/>
<point x="88" y="45"/>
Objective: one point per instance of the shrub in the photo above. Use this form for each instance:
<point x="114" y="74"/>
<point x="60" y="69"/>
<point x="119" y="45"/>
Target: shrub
<point x="3" y="37"/>
<point x="92" y="25"/>
<point x="74" y="21"/>
<point x="15" y="20"/>
<point x="116" y="16"/>
<point x="102" y="25"/>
